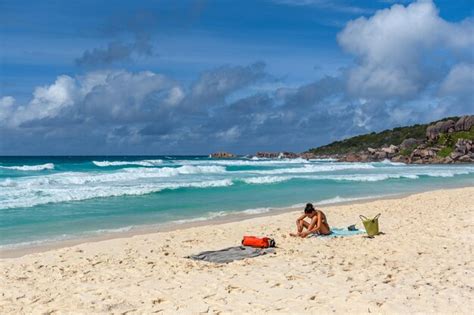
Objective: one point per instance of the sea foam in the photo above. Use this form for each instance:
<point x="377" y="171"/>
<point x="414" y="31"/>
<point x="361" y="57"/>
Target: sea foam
<point x="127" y="175"/>
<point x="41" y="167"/>
<point x="65" y="186"/>
<point x="249" y="162"/>
<point x="147" y="163"/>
<point x="313" y="168"/>
<point x="352" y="177"/>
<point x="33" y="196"/>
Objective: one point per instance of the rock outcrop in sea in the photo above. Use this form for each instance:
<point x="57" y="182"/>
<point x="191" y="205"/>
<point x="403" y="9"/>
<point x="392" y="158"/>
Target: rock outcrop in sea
<point x="223" y="155"/>
<point x="277" y="155"/>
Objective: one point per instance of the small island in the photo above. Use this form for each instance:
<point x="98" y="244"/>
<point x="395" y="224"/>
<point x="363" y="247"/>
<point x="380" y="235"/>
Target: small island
<point x="222" y="155"/>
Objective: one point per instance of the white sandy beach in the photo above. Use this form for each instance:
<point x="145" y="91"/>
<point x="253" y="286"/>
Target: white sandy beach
<point x="423" y="263"/>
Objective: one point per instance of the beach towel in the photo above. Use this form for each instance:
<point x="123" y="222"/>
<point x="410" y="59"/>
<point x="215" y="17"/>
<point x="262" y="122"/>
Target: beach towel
<point x="230" y="254"/>
<point x="339" y="232"/>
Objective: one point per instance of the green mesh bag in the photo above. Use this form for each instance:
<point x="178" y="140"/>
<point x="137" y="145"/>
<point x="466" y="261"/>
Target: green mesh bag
<point x="371" y="225"/>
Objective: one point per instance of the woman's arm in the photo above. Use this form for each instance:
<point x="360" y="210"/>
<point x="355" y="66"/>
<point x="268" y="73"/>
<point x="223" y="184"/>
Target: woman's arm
<point x="301" y="217"/>
<point x="314" y="226"/>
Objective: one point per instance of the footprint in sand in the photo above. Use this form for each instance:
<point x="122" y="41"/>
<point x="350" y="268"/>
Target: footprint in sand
<point x="231" y="288"/>
<point x="158" y="301"/>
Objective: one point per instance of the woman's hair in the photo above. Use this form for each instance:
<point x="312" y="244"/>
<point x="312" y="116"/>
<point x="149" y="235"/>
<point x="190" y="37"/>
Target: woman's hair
<point x="309" y="208"/>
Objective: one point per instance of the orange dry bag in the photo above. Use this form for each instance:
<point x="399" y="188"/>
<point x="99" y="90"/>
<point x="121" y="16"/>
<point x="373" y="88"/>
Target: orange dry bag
<point x="260" y="242"/>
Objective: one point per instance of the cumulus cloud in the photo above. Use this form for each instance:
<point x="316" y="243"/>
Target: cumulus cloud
<point x="175" y="96"/>
<point x="397" y="78"/>
<point x="138" y="106"/>
<point x="214" y="86"/>
<point x="456" y="91"/>
<point x="229" y="134"/>
<point x="6" y="107"/>
<point x="393" y="49"/>
<point x="47" y="101"/>
<point x="460" y="80"/>
<point x="100" y="96"/>
<point x="7" y="101"/>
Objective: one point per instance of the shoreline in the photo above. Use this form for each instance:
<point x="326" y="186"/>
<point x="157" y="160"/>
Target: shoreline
<point x="421" y="263"/>
<point x="231" y="217"/>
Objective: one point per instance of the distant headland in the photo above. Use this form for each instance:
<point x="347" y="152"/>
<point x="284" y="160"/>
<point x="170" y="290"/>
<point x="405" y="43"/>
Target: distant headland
<point x="445" y="141"/>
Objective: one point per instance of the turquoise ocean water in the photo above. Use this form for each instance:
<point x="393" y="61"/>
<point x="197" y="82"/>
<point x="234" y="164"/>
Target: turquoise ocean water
<point x="45" y="199"/>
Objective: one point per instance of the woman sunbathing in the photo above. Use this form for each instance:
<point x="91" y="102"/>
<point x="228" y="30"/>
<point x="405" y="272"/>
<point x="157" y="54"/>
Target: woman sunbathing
<point x="318" y="224"/>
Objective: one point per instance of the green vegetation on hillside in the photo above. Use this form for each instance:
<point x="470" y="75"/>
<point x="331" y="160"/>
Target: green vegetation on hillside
<point x="376" y="140"/>
<point x="448" y="140"/>
<point x="444" y="152"/>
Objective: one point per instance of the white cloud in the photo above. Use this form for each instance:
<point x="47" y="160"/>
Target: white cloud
<point x="47" y="101"/>
<point x="176" y="95"/>
<point x="230" y="134"/>
<point x="121" y="108"/>
<point x="393" y="47"/>
<point x="214" y="86"/>
<point x="123" y="95"/>
<point x="460" y="80"/>
<point x="103" y="95"/>
<point x="6" y="107"/>
<point x="7" y="101"/>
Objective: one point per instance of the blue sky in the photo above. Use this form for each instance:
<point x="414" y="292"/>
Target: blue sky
<point x="192" y="77"/>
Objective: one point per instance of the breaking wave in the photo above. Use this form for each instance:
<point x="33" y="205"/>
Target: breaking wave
<point x="268" y="179"/>
<point x="351" y="177"/>
<point x="312" y="168"/>
<point x="33" y="196"/>
<point x="249" y="162"/>
<point x="147" y="163"/>
<point x="388" y="162"/>
<point x="41" y="167"/>
<point x="28" y="190"/>
<point x="124" y="176"/>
